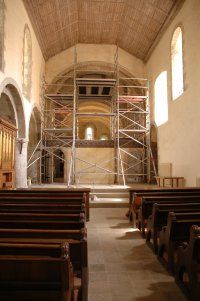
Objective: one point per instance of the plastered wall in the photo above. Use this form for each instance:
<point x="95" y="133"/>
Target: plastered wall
<point x="179" y="138"/>
<point x="93" y="53"/>
<point x="15" y="20"/>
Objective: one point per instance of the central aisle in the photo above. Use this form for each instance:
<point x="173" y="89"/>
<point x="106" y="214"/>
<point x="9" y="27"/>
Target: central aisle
<point x="122" y="267"/>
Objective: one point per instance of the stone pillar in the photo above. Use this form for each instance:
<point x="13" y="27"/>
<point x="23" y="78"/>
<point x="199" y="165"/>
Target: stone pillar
<point x="21" y="163"/>
<point x="67" y="164"/>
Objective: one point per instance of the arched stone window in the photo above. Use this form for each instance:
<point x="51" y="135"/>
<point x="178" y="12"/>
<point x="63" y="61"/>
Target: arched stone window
<point x="27" y="63"/>
<point x="2" y="35"/>
<point x="177" y="63"/>
<point x="161" y="99"/>
<point x="89" y="133"/>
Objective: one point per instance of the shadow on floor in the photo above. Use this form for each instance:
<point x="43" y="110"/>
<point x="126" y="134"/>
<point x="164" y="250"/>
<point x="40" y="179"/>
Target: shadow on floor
<point x="129" y="235"/>
<point x="121" y="225"/>
<point x="165" y="290"/>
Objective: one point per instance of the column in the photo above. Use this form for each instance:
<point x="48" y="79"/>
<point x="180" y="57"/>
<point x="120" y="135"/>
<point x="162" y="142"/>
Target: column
<point x="21" y="163"/>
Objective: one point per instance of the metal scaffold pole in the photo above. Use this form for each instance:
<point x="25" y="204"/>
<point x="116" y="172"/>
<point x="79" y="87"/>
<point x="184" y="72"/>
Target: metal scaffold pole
<point x="127" y="116"/>
<point x="73" y="156"/>
<point x="133" y="128"/>
<point x="117" y="106"/>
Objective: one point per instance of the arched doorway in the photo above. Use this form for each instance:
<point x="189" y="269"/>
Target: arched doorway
<point x="59" y="166"/>
<point x="11" y="102"/>
<point x="154" y="152"/>
<point x="33" y="146"/>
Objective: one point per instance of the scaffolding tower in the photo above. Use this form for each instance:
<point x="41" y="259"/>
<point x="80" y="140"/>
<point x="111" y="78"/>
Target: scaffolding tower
<point x="128" y="115"/>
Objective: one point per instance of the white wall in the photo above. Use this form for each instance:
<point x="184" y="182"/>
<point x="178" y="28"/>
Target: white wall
<point x="179" y="138"/>
<point x="15" y="20"/>
<point x="93" y="53"/>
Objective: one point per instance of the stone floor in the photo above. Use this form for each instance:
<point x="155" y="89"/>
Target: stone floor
<point x="122" y="267"/>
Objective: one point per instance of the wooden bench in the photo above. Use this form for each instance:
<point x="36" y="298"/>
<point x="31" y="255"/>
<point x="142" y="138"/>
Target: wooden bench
<point x="36" y="219"/>
<point x="174" y="234"/>
<point x="187" y="268"/>
<point x="137" y="200"/>
<point x="35" y="224"/>
<point x="77" y="245"/>
<point x="159" y="216"/>
<point x="40" y="208"/>
<point x="148" y="202"/>
<point x="35" y="272"/>
<point x="134" y="192"/>
<point x="42" y="216"/>
<point x="51" y="193"/>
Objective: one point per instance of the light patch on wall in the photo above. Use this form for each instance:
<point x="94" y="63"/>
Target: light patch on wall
<point x="161" y="99"/>
<point x="177" y="63"/>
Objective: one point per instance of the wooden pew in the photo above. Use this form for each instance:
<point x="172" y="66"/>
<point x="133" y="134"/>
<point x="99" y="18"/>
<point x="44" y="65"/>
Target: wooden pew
<point x="174" y="234"/>
<point x="40" y="208"/>
<point x="45" y="226"/>
<point x="39" y="199"/>
<point x="77" y="240"/>
<point x="159" y="216"/>
<point x="187" y="267"/>
<point x="148" y="202"/>
<point x="35" y="224"/>
<point x="134" y="192"/>
<point x="137" y="200"/>
<point x="51" y="193"/>
<point x="30" y="272"/>
<point x="42" y="216"/>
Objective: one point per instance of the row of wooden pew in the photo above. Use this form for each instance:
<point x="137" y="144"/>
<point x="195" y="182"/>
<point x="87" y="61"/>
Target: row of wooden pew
<point x="169" y="219"/>
<point x="43" y="245"/>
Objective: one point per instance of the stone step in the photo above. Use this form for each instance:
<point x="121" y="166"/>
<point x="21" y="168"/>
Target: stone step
<point x="109" y="203"/>
<point x="110" y="190"/>
<point x="110" y="194"/>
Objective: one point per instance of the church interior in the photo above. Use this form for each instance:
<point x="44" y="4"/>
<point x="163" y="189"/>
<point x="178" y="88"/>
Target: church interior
<point x="99" y="187"/>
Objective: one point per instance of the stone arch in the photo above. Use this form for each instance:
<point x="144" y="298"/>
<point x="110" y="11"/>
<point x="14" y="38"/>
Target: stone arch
<point x="64" y="79"/>
<point x="33" y="145"/>
<point x="154" y="149"/>
<point x="96" y="66"/>
<point x="36" y="117"/>
<point x="58" y="166"/>
<point x="63" y="84"/>
<point x="9" y="88"/>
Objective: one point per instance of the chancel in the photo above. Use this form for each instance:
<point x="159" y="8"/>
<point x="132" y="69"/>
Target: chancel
<point x="99" y="150"/>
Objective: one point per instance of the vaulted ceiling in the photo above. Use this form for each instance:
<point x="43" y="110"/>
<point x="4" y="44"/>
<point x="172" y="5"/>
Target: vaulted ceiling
<point x="134" y="25"/>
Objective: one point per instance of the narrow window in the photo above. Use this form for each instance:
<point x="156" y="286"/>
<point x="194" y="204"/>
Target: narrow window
<point x="89" y="134"/>
<point x="27" y="63"/>
<point x="177" y="63"/>
<point x="161" y="99"/>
